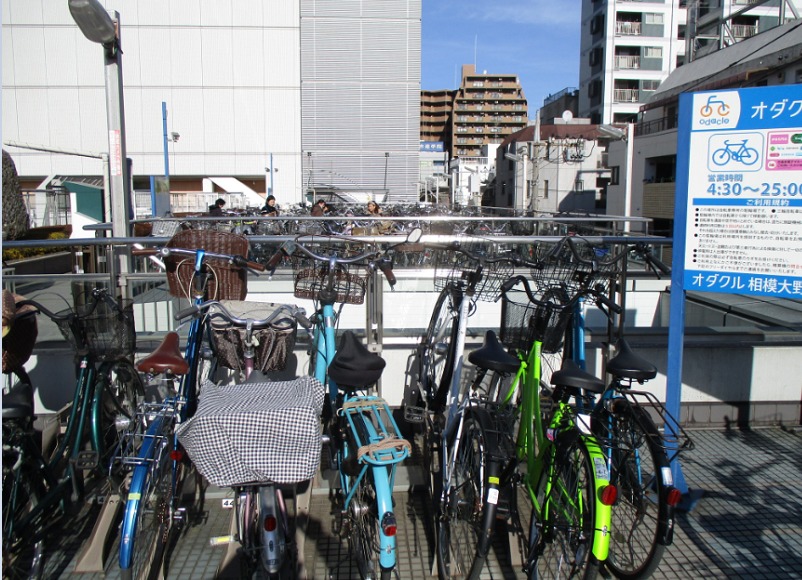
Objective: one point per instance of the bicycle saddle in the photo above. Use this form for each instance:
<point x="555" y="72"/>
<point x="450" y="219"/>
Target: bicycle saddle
<point x="18" y="402"/>
<point x="573" y="377"/>
<point x="354" y="366"/>
<point x="492" y="356"/>
<point x="628" y="365"/>
<point x="166" y="358"/>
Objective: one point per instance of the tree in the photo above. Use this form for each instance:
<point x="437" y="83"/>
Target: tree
<point x="15" y="216"/>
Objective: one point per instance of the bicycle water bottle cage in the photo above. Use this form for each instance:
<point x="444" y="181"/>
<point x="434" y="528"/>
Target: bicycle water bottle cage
<point x="354" y="366"/>
<point x="628" y="365"/>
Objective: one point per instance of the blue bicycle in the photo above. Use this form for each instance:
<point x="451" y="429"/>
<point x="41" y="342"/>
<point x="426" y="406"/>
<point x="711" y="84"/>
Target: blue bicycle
<point x="366" y="442"/>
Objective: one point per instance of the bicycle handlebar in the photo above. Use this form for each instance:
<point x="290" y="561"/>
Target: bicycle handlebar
<point x="98" y="295"/>
<point x="594" y="292"/>
<point x="164" y="251"/>
<point x="218" y="310"/>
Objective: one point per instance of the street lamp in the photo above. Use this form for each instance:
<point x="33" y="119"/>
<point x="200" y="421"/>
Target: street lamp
<point x="103" y="28"/>
<point x="269" y="171"/>
<point x="386" y="159"/>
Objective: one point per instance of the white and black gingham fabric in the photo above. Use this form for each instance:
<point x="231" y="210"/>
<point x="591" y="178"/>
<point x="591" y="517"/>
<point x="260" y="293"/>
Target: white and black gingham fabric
<point x="256" y="432"/>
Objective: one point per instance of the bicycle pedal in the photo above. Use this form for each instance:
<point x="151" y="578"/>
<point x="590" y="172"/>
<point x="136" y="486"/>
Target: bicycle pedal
<point x="414" y="414"/>
<point x="86" y="459"/>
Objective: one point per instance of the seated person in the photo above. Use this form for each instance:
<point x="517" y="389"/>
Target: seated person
<point x="270" y="208"/>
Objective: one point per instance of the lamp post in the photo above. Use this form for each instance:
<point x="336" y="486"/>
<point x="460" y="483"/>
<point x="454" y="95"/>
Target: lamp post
<point x="269" y="171"/>
<point x="386" y="159"/>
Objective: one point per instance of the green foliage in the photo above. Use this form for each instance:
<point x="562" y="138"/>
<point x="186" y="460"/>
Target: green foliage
<point x="37" y="234"/>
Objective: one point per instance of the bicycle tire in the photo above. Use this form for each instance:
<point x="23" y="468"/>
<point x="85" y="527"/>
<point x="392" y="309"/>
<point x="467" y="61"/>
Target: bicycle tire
<point x="641" y="515"/>
<point x="146" y="520"/>
<point x="560" y="535"/>
<point x="437" y="350"/>
<point x="23" y="551"/>
<point x="118" y="393"/>
<point x="466" y="523"/>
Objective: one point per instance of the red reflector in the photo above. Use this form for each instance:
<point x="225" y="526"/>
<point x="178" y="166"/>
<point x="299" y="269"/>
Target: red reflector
<point x="673" y="497"/>
<point x="270" y="524"/>
<point x="177" y="455"/>
<point x="608" y="494"/>
<point x="390" y="530"/>
<point x="389" y="526"/>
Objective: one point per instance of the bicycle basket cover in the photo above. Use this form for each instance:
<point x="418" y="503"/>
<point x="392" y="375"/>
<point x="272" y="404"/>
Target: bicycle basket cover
<point x="275" y="344"/>
<point x="256" y="432"/>
<point x="22" y="331"/>
<point x="354" y="365"/>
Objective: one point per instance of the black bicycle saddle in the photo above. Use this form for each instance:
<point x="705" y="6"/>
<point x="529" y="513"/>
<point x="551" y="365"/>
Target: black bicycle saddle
<point x="354" y="366"/>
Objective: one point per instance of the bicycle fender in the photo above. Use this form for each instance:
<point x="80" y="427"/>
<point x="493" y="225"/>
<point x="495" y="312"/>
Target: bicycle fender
<point x="604" y="513"/>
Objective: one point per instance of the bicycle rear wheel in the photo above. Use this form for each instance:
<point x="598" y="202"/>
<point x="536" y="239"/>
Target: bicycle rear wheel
<point x="641" y="514"/>
<point x="23" y="549"/>
<point x="437" y="350"/>
<point x="465" y="526"/>
<point x="562" y="525"/>
<point x="147" y="517"/>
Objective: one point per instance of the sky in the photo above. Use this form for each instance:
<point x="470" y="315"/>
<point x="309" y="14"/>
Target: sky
<point x="538" y="40"/>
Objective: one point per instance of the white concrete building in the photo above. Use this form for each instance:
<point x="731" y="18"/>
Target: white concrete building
<point x="281" y="93"/>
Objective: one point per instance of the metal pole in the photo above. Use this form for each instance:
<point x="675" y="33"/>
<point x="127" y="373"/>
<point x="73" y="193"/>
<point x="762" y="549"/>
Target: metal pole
<point x="386" y="159"/>
<point x="270" y="189"/>
<point x="164" y="131"/>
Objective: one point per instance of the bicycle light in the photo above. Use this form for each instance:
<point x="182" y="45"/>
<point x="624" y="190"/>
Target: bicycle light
<point x="673" y="496"/>
<point x="608" y="494"/>
<point x="389" y="526"/>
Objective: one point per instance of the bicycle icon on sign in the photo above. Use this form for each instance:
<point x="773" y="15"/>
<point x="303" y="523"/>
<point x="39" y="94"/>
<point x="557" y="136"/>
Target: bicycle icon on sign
<point x="735" y="151"/>
<point x="707" y="110"/>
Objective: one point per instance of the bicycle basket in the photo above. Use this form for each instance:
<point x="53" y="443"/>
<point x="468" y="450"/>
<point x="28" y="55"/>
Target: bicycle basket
<point x="275" y="344"/>
<point x="586" y="266"/>
<point x="309" y="277"/>
<point x="453" y="266"/>
<point x="226" y="282"/>
<point x="100" y="329"/>
<point x="523" y="321"/>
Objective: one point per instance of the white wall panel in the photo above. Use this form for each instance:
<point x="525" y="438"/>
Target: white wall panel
<point x="154" y="45"/>
<point x="217" y="55"/>
<point x="183" y="12"/>
<point x="29" y="53"/>
<point x="185" y="116"/>
<point x="61" y="65"/>
<point x="251" y="13"/>
<point x="63" y="123"/>
<point x="10" y="125"/>
<point x="26" y="13"/>
<point x="217" y="119"/>
<point x="248" y="121"/>
<point x="185" y="57"/>
<point x="91" y="106"/>
<point x="215" y="12"/>
<point x="88" y="61"/>
<point x="284" y="13"/>
<point x="9" y="63"/>
<point x="281" y="59"/>
<point x="247" y="62"/>
<point x="147" y="13"/>
<point x="32" y="114"/>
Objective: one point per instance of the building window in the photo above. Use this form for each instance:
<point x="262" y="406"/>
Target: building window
<point x="652" y="52"/>
<point x="579" y="186"/>
<point x="650" y="85"/>
<point x="545" y="189"/>
<point x="615" y="173"/>
<point x="652" y="18"/>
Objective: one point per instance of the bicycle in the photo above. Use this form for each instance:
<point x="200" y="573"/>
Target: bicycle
<point x="259" y="437"/>
<point x="444" y="408"/>
<point x="737" y="151"/>
<point x="366" y="443"/>
<point x="149" y="451"/>
<point x="39" y="484"/>
<point x="638" y="455"/>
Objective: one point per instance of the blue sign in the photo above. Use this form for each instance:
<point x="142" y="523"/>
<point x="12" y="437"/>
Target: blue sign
<point x="436" y="146"/>
<point x="739" y="182"/>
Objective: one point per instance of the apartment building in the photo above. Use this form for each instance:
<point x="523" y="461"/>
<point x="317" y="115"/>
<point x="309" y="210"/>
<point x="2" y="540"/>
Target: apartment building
<point x="487" y="108"/>
<point x="436" y="109"/>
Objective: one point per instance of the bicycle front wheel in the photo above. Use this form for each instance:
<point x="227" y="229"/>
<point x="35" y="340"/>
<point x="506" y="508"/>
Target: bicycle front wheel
<point x="437" y="349"/>
<point x="641" y="514"/>
<point x="562" y="525"/>
<point x="23" y="549"/>
<point x="146" y="521"/>
<point x="462" y="540"/>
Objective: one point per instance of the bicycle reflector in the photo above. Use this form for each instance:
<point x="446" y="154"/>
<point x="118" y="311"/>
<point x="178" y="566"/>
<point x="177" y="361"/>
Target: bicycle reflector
<point x="608" y="494"/>
<point x="673" y="496"/>
<point x="177" y="455"/>
<point x="389" y="526"/>
<point x="271" y="523"/>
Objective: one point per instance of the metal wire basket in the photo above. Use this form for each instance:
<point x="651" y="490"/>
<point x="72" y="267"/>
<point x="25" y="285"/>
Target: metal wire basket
<point x="227" y="282"/>
<point x="523" y="322"/>
<point x="102" y="329"/>
<point x="576" y="266"/>
<point x="311" y="276"/>
<point x="485" y="277"/>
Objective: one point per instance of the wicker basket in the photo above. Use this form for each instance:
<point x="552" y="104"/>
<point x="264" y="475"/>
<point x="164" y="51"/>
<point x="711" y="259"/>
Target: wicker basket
<point x="309" y="277"/>
<point x="523" y="321"/>
<point x="101" y="329"/>
<point x="453" y="266"/>
<point x="226" y="282"/>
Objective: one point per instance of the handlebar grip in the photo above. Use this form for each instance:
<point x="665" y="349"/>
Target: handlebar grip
<point x="657" y="263"/>
<point x="386" y="266"/>
<point x="144" y="251"/>
<point x="273" y="262"/>
<point x="303" y="320"/>
<point x="255" y="266"/>
<point x="186" y="312"/>
<point x="600" y="297"/>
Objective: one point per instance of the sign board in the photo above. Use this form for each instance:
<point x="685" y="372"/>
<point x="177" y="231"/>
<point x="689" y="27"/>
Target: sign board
<point x="744" y="190"/>
<point x="160" y="195"/>
<point x="436" y="146"/>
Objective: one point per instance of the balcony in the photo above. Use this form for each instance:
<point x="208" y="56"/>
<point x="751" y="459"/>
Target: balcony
<point x="627" y="62"/>
<point x="626" y="95"/>
<point x="741" y="31"/>
<point x="623" y="28"/>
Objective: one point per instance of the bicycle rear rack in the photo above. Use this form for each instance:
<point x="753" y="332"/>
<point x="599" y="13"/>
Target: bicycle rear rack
<point x="384" y="444"/>
<point x="133" y="438"/>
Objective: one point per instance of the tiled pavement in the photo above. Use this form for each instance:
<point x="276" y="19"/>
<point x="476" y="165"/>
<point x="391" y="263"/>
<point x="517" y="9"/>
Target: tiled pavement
<point x="747" y="524"/>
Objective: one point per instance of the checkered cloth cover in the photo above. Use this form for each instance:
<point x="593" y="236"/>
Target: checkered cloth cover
<point x="256" y="432"/>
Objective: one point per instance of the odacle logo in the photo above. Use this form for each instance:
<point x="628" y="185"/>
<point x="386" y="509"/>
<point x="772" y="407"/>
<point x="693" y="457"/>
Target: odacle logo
<point x="716" y="110"/>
